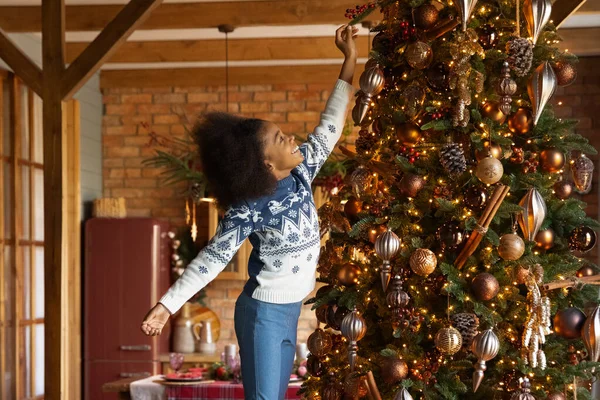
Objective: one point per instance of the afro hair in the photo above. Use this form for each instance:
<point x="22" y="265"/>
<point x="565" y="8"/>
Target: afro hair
<point x="232" y="156"/>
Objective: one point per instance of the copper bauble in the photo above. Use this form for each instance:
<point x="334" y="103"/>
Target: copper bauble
<point x="448" y="340"/>
<point x="582" y="239"/>
<point x="488" y="37"/>
<point x="321" y="313"/>
<point x="394" y="370"/>
<point x="450" y="235"/>
<point x="375" y="232"/>
<point x="476" y="198"/>
<point x="552" y="160"/>
<point x="315" y="366"/>
<point x="408" y="133"/>
<point x="340" y="313"/>
<point x="511" y="247"/>
<point x="418" y="55"/>
<point x="492" y="111"/>
<point x="565" y="72"/>
<point x="352" y="208"/>
<point x="423" y="262"/>
<point x="319" y="342"/>
<point x="348" y="274"/>
<point x="521" y="122"/>
<point x="545" y="239"/>
<point x="556" y="396"/>
<point x="494" y="150"/>
<point x="438" y="76"/>
<point x="489" y="170"/>
<point x="410" y="184"/>
<point x="568" y="323"/>
<point x="586" y="270"/>
<point x="563" y="189"/>
<point x="426" y="16"/>
<point x="485" y="286"/>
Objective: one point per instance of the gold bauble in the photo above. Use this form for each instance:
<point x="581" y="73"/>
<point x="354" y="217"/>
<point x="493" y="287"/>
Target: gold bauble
<point x="485" y="286"/>
<point x="563" y="189"/>
<point x="426" y="16"/>
<point x="418" y="55"/>
<point x="394" y="370"/>
<point x="521" y="122"/>
<point x="511" y="247"/>
<point x="552" y="160"/>
<point x="492" y="111"/>
<point x="348" y="274"/>
<point x="565" y="73"/>
<point x="494" y="150"/>
<point x="448" y="340"/>
<point x="423" y="262"/>
<point x="352" y="208"/>
<point x="545" y="239"/>
<point x="489" y="170"/>
<point x="319" y="342"/>
<point x="408" y="133"/>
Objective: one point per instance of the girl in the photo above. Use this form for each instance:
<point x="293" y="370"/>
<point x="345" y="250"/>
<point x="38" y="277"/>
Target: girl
<point x="263" y="179"/>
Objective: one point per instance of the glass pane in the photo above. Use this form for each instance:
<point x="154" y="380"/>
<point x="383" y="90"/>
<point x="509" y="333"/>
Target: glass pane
<point x="38" y="205"/>
<point x="26" y="282"/>
<point x="39" y="359"/>
<point x="24" y="123"/>
<point x="28" y="361"/>
<point x="8" y="203"/>
<point x="39" y="283"/>
<point x="25" y="201"/>
<point x="9" y="337"/>
<point x="6" y="142"/>
<point x="38" y="138"/>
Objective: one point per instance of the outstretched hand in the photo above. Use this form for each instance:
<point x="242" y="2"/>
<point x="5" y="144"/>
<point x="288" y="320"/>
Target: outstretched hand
<point x="344" y="40"/>
<point x="155" y="320"/>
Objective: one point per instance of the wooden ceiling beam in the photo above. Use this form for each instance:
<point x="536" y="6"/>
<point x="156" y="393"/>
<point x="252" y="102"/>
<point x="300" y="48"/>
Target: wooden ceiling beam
<point x="216" y="76"/>
<point x="581" y="42"/>
<point x="562" y="9"/>
<point x="190" y="15"/>
<point x="106" y="43"/>
<point x="19" y="62"/>
<point x="214" y="50"/>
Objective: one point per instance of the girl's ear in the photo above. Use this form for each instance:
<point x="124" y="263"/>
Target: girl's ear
<point x="269" y="165"/>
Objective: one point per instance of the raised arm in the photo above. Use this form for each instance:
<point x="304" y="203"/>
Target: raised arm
<point x="322" y="140"/>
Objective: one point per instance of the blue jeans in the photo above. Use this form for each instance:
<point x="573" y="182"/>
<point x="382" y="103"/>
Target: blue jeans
<point x="266" y="334"/>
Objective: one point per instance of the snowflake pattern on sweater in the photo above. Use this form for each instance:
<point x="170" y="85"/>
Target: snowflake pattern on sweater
<point x="283" y="228"/>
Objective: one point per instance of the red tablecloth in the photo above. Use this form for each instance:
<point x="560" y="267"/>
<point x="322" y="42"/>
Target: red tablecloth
<point x="219" y="391"/>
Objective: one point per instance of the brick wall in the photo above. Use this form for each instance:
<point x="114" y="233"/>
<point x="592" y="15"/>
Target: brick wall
<point x="295" y="108"/>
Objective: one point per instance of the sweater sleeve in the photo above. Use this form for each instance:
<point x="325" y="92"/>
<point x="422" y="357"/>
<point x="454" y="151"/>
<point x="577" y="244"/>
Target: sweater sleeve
<point x="322" y="140"/>
<point x="237" y="224"/>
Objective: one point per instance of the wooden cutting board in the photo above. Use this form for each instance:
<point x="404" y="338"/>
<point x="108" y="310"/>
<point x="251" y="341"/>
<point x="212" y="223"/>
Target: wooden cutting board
<point x="199" y="313"/>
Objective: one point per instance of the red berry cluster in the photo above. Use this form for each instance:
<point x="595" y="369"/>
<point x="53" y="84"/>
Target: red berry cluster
<point x="352" y="13"/>
<point x="410" y="153"/>
<point x="439" y="114"/>
<point x="531" y="163"/>
<point x="518" y="155"/>
<point x="407" y="32"/>
<point x="330" y="182"/>
<point x="425" y="368"/>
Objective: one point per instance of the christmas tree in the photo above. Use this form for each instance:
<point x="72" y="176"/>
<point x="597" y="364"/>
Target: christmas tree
<point x="454" y="267"/>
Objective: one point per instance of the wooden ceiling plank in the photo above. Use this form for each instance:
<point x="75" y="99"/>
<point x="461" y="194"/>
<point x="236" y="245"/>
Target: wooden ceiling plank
<point x="19" y="62"/>
<point x="562" y="9"/>
<point x="190" y="15"/>
<point x="106" y="44"/>
<point x="581" y="42"/>
<point x="216" y="76"/>
<point x="214" y="50"/>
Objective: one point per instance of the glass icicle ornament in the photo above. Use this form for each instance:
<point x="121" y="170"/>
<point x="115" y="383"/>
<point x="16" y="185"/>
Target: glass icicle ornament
<point x="386" y="247"/>
<point x="537" y="325"/>
<point x="485" y="346"/>
<point x="353" y="328"/>
<point x="537" y="14"/>
<point x="582" y="171"/>
<point x="541" y="87"/>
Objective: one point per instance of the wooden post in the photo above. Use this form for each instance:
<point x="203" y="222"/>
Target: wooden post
<point x="53" y="34"/>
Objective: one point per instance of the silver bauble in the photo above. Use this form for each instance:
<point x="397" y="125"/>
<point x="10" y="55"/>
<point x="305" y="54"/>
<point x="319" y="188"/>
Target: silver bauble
<point x="485" y="346"/>
<point x="353" y="328"/>
<point x="386" y="246"/>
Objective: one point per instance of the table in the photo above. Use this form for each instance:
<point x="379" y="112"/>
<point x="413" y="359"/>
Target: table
<point x="220" y="391"/>
<point x="121" y="387"/>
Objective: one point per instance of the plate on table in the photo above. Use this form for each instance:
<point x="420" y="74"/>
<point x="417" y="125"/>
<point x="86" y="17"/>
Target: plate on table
<point x="183" y="377"/>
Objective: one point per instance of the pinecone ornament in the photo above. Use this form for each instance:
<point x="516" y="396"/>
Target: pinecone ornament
<point x="520" y="55"/>
<point x="467" y="324"/>
<point x="366" y="141"/>
<point x="452" y="158"/>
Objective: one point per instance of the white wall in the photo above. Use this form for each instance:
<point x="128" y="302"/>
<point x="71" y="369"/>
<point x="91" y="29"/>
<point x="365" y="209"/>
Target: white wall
<point x="91" y="108"/>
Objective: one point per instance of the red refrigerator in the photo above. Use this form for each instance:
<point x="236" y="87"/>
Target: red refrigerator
<point x="126" y="270"/>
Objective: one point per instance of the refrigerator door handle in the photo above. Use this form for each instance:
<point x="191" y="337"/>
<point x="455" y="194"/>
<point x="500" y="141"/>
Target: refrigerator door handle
<point x="140" y="347"/>
<point x="135" y="374"/>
